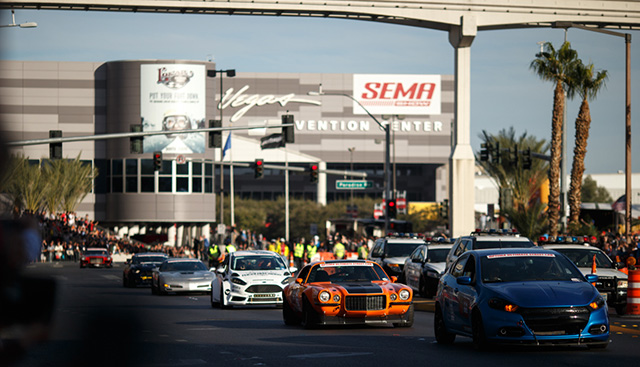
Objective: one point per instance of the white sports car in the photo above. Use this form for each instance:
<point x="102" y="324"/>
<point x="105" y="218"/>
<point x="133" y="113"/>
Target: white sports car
<point x="251" y="278"/>
<point x="181" y="275"/>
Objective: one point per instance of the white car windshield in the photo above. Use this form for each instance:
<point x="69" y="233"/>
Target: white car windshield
<point x="257" y="263"/>
<point x="183" y="266"/>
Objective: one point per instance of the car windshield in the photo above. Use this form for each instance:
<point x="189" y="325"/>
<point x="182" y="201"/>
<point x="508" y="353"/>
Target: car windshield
<point x="437" y="255"/>
<point x="527" y="267"/>
<point x="258" y="263"/>
<point x="502" y="244"/>
<point x="347" y="272"/>
<point x="583" y="258"/>
<point x="395" y="249"/>
<point x="148" y="259"/>
<point x="183" y="266"/>
<point x="96" y="253"/>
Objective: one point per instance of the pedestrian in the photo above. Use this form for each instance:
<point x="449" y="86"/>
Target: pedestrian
<point x="298" y="253"/>
<point x="339" y="251"/>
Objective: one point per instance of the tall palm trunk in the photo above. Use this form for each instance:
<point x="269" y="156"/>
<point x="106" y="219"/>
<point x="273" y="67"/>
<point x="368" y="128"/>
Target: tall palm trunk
<point x="557" y="122"/>
<point x="583" y="123"/>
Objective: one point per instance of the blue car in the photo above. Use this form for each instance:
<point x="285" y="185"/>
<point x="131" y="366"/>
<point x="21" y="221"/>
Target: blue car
<point x="519" y="296"/>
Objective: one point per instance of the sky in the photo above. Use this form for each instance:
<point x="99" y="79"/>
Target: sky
<point x="505" y="92"/>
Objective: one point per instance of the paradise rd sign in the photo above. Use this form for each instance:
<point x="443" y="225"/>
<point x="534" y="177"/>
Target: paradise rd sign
<point x="353" y="184"/>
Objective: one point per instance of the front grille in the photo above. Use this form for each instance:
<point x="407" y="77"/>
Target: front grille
<point x="264" y="288"/>
<point x="365" y="303"/>
<point x="557" y="320"/>
<point x="606" y="284"/>
<point x="96" y="260"/>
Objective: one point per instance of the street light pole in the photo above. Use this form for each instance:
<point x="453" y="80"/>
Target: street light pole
<point x="21" y="25"/>
<point x="385" y="127"/>
<point x="230" y="73"/>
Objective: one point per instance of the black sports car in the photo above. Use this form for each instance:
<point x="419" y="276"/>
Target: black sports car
<point x="137" y="271"/>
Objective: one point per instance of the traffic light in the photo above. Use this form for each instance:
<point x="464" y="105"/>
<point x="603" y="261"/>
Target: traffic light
<point x="157" y="161"/>
<point x="258" y="167"/>
<point x="526" y="159"/>
<point x="513" y="154"/>
<point x="444" y="209"/>
<point x="392" y="209"/>
<point x="313" y="173"/>
<point x="55" y="149"/>
<point x="495" y="155"/>
<point x="215" y="137"/>
<point x="135" y="143"/>
<point x="484" y="151"/>
<point x="288" y="132"/>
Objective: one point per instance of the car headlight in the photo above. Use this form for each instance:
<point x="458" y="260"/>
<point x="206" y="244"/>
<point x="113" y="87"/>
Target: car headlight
<point x="502" y="305"/>
<point x="404" y="294"/>
<point x="137" y="271"/>
<point x="336" y="298"/>
<point x="622" y="284"/>
<point x="324" y="296"/>
<point x="286" y="280"/>
<point x="597" y="303"/>
<point x="393" y="297"/>
<point x="394" y="268"/>
<point x="238" y="281"/>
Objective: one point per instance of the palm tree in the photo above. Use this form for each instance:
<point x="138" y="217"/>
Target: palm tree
<point x="554" y="66"/>
<point x="587" y="84"/>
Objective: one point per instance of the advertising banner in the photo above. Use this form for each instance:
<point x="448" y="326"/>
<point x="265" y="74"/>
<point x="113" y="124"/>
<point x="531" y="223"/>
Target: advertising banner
<point x="397" y="94"/>
<point x="172" y="98"/>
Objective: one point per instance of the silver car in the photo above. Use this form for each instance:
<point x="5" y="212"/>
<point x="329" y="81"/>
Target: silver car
<point x="181" y="275"/>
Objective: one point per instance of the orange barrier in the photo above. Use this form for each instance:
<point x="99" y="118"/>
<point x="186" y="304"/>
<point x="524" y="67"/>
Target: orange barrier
<point x="633" y="293"/>
<point x="325" y="255"/>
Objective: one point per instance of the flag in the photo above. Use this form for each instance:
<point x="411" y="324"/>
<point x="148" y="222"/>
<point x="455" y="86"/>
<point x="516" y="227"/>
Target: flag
<point x="227" y="146"/>
<point x="620" y="204"/>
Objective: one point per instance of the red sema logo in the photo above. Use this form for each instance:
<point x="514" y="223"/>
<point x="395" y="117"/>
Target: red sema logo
<point x="398" y="94"/>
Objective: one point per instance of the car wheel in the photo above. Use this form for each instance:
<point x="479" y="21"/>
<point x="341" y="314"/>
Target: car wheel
<point x="621" y="309"/>
<point x="477" y="331"/>
<point x="288" y="315"/>
<point x="214" y="304"/>
<point x="409" y="320"/>
<point x="309" y="316"/>
<point x="223" y="302"/>
<point x="443" y="336"/>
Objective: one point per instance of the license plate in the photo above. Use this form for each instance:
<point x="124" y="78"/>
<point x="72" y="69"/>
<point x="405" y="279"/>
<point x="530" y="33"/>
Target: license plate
<point x="264" y="295"/>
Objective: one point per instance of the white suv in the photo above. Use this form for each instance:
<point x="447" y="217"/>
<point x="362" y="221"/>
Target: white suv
<point x="391" y="253"/>
<point x="487" y="239"/>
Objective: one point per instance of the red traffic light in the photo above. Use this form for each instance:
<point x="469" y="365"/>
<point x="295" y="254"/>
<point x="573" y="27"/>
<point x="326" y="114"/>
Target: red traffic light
<point x="392" y="203"/>
<point x="258" y="163"/>
<point x="314" y="167"/>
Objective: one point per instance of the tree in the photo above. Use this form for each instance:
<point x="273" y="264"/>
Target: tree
<point x="592" y="193"/>
<point x="584" y="81"/>
<point x="554" y="66"/>
<point x="519" y="188"/>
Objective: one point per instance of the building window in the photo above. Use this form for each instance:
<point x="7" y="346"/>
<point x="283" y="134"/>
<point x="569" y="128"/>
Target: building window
<point x="147" y="179"/>
<point x="116" y="175"/>
<point x="131" y="181"/>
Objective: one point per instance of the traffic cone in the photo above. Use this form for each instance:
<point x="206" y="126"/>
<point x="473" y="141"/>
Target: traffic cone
<point x="593" y="268"/>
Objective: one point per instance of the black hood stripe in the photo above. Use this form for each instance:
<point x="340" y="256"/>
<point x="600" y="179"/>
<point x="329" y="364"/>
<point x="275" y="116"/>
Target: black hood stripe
<point x="359" y="288"/>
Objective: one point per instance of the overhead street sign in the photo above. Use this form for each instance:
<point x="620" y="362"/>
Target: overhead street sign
<point x="353" y="184"/>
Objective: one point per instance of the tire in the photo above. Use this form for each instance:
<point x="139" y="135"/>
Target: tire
<point x="477" y="331"/>
<point x="309" y="316"/>
<point x="214" y="304"/>
<point x="443" y="336"/>
<point x="223" y="303"/>
<point x="621" y="309"/>
<point x="288" y="315"/>
<point x="409" y="321"/>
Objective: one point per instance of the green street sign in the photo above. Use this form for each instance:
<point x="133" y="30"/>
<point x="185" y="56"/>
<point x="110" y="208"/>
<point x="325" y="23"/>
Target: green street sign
<point x="353" y="184"/>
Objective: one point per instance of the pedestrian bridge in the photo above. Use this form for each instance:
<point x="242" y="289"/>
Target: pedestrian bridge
<point x="462" y="19"/>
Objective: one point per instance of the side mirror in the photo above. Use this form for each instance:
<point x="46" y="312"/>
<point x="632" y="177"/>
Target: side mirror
<point x="591" y="278"/>
<point x="293" y="269"/>
<point x="299" y="280"/>
<point x="464" y="280"/>
<point x="220" y="270"/>
<point x="394" y="279"/>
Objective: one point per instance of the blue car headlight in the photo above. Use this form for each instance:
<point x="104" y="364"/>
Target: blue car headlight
<point x="597" y="303"/>
<point x="503" y="305"/>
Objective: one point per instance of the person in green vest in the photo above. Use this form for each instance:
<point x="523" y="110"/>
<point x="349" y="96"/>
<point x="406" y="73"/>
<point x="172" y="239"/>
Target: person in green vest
<point x="298" y="253"/>
<point x="311" y="251"/>
<point x="214" y="256"/>
<point x="363" y="250"/>
<point x="339" y="250"/>
<point x="230" y="248"/>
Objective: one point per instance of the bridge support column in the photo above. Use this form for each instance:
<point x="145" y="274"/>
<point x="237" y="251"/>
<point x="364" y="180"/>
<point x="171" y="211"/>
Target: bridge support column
<point x="462" y="161"/>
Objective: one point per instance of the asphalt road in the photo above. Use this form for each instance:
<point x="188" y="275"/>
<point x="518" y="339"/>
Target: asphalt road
<point x="97" y="322"/>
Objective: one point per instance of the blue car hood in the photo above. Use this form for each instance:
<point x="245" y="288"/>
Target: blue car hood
<point x="545" y="293"/>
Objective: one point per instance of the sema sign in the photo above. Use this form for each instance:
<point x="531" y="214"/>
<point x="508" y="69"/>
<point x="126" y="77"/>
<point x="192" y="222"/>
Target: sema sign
<point x="397" y="94"/>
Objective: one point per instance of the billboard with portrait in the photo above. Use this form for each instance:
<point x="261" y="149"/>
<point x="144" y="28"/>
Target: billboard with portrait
<point x="173" y="99"/>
